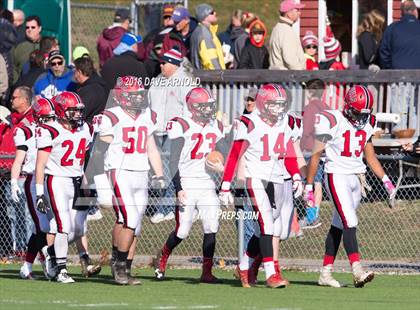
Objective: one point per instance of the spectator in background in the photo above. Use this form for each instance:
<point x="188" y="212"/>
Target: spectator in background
<point x="240" y="41"/>
<point x="310" y="47"/>
<point x="206" y="50"/>
<point x="156" y="35"/>
<point x="23" y="50"/>
<point x="92" y="88"/>
<point x="110" y="37"/>
<point x="315" y="92"/>
<point x="233" y="31"/>
<point x="20" y="219"/>
<point x="8" y="37"/>
<point x="286" y="51"/>
<point x="369" y="36"/>
<point x="36" y="68"/>
<point x="400" y="47"/>
<point x="57" y="79"/>
<point x="168" y="102"/>
<point x="255" y="55"/>
<point x="125" y="62"/>
<point x="46" y="46"/>
<point x="4" y="79"/>
<point x="80" y="51"/>
<point x="19" y="23"/>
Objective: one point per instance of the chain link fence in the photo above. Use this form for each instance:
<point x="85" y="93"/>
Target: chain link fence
<point x="388" y="238"/>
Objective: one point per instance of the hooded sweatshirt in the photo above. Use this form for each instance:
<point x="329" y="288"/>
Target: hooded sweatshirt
<point x="107" y="41"/>
<point x="255" y="55"/>
<point x="48" y="85"/>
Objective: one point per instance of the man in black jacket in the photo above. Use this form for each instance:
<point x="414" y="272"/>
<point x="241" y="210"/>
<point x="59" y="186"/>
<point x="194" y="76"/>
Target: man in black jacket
<point x="125" y="62"/>
<point x="92" y="88"/>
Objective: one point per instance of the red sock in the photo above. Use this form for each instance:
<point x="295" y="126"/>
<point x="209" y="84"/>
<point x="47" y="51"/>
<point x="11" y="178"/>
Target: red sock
<point x="207" y="265"/>
<point x="30" y="257"/>
<point x="276" y="266"/>
<point x="328" y="260"/>
<point x="354" y="257"/>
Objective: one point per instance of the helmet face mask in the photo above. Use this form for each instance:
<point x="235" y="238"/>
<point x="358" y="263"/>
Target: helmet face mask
<point x="134" y="100"/>
<point x="276" y="109"/>
<point x="43" y="111"/>
<point x="205" y="111"/>
<point x="75" y="116"/>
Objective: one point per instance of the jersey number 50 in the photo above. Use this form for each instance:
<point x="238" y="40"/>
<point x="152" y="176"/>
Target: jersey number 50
<point x="129" y="138"/>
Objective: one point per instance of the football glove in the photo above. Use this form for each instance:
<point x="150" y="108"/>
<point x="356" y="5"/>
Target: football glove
<point x="297" y="186"/>
<point x="42" y="204"/>
<point x="159" y="185"/>
<point x="226" y="198"/>
<point x="390" y="188"/>
<point x="16" y="191"/>
<point x="309" y="195"/>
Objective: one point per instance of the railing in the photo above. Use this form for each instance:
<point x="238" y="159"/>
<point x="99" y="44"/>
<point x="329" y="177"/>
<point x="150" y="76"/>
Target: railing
<point x="394" y="91"/>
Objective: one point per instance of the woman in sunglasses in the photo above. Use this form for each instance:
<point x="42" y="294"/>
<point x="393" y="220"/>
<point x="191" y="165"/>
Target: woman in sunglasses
<point x="310" y="47"/>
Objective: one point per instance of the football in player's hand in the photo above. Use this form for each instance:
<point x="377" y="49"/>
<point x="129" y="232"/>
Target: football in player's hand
<point x="214" y="157"/>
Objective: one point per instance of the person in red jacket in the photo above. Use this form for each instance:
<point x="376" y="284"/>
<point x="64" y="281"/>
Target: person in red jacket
<point x="18" y="215"/>
<point x="310" y="47"/>
<point x="111" y="36"/>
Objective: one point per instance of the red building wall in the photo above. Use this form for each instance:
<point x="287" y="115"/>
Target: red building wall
<point x="396" y="12"/>
<point x="309" y="17"/>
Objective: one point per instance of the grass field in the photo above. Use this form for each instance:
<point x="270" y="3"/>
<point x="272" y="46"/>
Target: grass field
<point x="182" y="291"/>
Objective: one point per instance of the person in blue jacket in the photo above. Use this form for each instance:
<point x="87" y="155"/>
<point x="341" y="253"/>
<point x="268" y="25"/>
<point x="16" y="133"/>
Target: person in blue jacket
<point x="57" y="79"/>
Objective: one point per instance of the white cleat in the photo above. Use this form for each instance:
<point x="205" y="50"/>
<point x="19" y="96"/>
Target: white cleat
<point x="326" y="278"/>
<point x="50" y="267"/>
<point x="63" y="277"/>
<point x="26" y="273"/>
<point x="361" y="277"/>
<point x="157" y="218"/>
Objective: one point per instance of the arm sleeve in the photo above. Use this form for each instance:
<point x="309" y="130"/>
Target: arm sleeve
<point x="105" y="127"/>
<point x="290" y="162"/>
<point x="385" y="50"/>
<point x="237" y="150"/>
<point x="176" y="149"/>
<point x="43" y="138"/>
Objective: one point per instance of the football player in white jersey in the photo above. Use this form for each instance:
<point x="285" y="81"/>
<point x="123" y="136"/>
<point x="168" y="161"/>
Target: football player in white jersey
<point x="24" y="164"/>
<point x="192" y="138"/>
<point x="62" y="145"/>
<point x="128" y="128"/>
<point x="346" y="137"/>
<point x="264" y="139"/>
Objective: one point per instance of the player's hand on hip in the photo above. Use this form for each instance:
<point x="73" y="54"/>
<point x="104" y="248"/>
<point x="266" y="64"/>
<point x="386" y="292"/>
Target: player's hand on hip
<point x="297" y="185"/>
<point x="42" y="204"/>
<point x="216" y="166"/>
<point x="16" y="191"/>
<point x="182" y="198"/>
<point x="309" y="196"/>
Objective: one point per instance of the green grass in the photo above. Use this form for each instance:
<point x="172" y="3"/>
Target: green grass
<point x="182" y="291"/>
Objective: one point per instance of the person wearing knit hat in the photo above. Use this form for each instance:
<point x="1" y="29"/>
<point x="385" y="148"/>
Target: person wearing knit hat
<point x="332" y="50"/>
<point x="254" y="55"/>
<point x="128" y="43"/>
<point x="310" y="47"/>
<point x="173" y="57"/>
<point x="206" y="51"/>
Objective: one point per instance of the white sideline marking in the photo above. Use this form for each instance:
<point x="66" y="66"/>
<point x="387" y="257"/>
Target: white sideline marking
<point x="204" y="307"/>
<point x="165" y="307"/>
<point x="14" y="301"/>
<point x="97" y="305"/>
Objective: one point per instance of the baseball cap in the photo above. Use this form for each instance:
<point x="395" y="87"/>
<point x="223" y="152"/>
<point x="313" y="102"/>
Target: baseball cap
<point x="168" y="10"/>
<point x="54" y="54"/>
<point x="80" y="51"/>
<point x="121" y="15"/>
<point x="202" y="11"/>
<point x="288" y="5"/>
<point x="130" y="39"/>
<point x="179" y="14"/>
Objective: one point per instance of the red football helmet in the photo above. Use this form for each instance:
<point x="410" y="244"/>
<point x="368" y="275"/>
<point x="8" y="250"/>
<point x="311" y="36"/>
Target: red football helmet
<point x="130" y="94"/>
<point x="358" y="105"/>
<point x="272" y="102"/>
<point x="201" y="104"/>
<point x="43" y="110"/>
<point x="69" y="107"/>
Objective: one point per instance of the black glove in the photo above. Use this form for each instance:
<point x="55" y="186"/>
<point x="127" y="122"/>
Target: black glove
<point x="240" y="198"/>
<point x="42" y="204"/>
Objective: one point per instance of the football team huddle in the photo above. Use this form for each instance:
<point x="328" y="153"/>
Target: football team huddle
<point x="262" y="152"/>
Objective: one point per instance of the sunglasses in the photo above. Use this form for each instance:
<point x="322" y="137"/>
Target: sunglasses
<point x="58" y="63"/>
<point x="30" y="27"/>
<point x="212" y="12"/>
<point x="311" y="46"/>
<point x="167" y="17"/>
